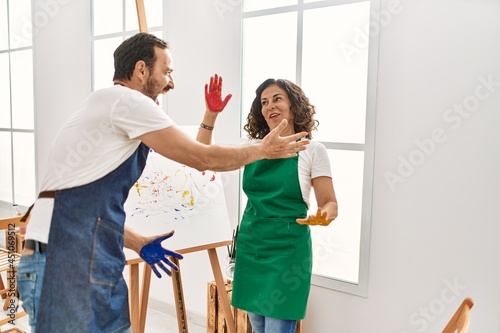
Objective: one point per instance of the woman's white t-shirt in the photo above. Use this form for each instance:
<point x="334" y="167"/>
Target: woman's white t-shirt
<point x="94" y="142"/>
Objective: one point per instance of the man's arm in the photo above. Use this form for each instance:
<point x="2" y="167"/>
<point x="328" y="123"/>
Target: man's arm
<point x="176" y="145"/>
<point x="134" y="241"/>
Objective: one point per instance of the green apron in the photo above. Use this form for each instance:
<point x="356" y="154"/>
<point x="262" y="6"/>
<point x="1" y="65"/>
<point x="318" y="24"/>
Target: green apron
<point x="273" y="252"/>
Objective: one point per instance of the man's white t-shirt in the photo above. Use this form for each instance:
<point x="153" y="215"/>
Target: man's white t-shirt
<point x="94" y="142"/>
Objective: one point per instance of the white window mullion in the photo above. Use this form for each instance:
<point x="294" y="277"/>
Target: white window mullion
<point x="300" y="29"/>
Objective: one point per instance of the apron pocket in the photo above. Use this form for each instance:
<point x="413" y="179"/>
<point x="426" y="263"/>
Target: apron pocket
<point x="108" y="260"/>
<point x="264" y="237"/>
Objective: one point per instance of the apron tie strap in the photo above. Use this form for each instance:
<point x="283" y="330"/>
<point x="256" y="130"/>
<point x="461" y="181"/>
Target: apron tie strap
<point x="43" y="194"/>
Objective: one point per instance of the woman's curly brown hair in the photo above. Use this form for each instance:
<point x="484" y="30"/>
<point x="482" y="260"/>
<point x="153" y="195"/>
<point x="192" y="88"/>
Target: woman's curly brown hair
<point x="302" y="109"/>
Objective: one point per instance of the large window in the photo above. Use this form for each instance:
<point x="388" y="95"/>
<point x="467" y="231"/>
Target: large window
<point x="109" y="30"/>
<point x="17" y="131"/>
<point x="323" y="46"/>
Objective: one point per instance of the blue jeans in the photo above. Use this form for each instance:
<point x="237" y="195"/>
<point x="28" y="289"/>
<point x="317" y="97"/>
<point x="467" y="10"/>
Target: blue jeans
<point x="262" y="324"/>
<point x="30" y="274"/>
<point x="29" y="283"/>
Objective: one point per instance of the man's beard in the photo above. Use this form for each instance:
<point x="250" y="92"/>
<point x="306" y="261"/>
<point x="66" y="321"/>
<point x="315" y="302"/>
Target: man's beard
<point x="151" y="89"/>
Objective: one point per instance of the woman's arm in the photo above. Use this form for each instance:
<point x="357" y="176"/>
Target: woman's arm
<point x="325" y="196"/>
<point x="206" y="127"/>
<point x="326" y="200"/>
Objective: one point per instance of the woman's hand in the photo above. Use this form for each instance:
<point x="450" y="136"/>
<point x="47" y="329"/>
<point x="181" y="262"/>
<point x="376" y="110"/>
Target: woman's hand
<point x="213" y="95"/>
<point x="319" y="219"/>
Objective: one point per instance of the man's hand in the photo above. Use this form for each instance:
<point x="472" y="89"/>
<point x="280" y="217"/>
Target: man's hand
<point x="275" y="146"/>
<point x="213" y="95"/>
<point x="319" y="219"/>
<point x="155" y="255"/>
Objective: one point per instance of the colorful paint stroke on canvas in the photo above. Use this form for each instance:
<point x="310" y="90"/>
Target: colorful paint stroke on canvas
<point x="167" y="187"/>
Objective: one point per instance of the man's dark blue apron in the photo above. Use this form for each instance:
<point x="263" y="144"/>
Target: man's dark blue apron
<point x="83" y="287"/>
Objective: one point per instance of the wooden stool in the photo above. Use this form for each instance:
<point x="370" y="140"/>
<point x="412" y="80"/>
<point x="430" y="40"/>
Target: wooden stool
<point x="216" y="321"/>
<point x="9" y="260"/>
<point x="13" y="330"/>
<point x="19" y="244"/>
<point x="8" y="263"/>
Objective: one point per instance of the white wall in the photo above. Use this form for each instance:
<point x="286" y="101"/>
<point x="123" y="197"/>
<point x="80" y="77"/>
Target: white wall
<point x="202" y="44"/>
<point x="62" y="67"/>
<point x="434" y="236"/>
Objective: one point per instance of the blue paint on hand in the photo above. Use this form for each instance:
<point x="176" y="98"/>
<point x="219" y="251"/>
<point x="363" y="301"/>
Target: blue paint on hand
<point x="156" y="255"/>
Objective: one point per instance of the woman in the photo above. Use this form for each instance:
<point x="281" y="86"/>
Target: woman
<point x="274" y="258"/>
<point x="273" y="251"/>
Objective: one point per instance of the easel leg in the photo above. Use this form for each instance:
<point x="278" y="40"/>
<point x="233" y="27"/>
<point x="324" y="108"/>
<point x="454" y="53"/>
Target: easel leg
<point x="146" y="281"/>
<point x="221" y="290"/>
<point x="141" y="15"/>
<point x="179" y="298"/>
<point x="134" y="297"/>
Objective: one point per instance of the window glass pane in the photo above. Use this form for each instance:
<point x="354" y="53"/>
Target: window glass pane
<point x="22" y="89"/>
<point x="103" y="61"/>
<point x="20" y="23"/>
<point x="336" y="247"/>
<point x="108" y="16"/>
<point x="336" y="82"/>
<point x="4" y="31"/>
<point x="269" y="51"/>
<point x="251" y="5"/>
<point x="5" y="167"/>
<point x="4" y="91"/>
<point x="154" y="14"/>
<point x="24" y="168"/>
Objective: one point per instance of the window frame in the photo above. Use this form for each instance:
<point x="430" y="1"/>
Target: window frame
<point x="368" y="147"/>
<point x="11" y="129"/>
<point x="124" y="34"/>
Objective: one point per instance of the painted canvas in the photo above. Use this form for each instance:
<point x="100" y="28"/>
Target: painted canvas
<point x="171" y="196"/>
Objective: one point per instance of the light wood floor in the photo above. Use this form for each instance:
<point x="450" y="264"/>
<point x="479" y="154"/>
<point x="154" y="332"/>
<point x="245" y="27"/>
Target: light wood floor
<point x="156" y="322"/>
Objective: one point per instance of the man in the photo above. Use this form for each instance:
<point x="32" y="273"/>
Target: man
<point x="70" y="277"/>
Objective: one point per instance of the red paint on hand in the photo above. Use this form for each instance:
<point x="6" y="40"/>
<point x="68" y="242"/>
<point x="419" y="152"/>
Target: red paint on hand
<point x="213" y="95"/>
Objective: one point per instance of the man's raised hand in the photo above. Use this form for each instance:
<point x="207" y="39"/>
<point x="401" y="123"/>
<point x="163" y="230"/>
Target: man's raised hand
<point x="276" y="146"/>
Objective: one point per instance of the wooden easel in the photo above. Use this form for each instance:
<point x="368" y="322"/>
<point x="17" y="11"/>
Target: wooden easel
<point x="139" y="303"/>
<point x="139" y="298"/>
<point x="141" y="15"/>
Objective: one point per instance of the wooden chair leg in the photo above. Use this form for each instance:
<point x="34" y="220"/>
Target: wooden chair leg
<point x="2" y="286"/>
